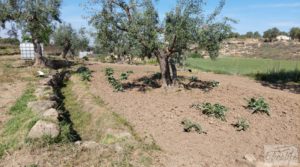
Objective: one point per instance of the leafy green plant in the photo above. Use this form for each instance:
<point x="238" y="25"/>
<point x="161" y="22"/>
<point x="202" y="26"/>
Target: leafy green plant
<point x="258" y="105"/>
<point x="212" y="110"/>
<point x="86" y="76"/>
<point x="189" y="126"/>
<point x="117" y="85"/>
<point x="85" y="73"/>
<point x="242" y="124"/>
<point x="125" y="75"/>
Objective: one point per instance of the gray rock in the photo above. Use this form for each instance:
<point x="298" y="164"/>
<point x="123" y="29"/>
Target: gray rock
<point x="41" y="106"/>
<point x="51" y="114"/>
<point x="44" y="128"/>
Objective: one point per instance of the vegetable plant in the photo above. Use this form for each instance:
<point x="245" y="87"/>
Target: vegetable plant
<point x="258" y="105"/>
<point x="242" y="124"/>
<point x="212" y="110"/>
<point x="190" y="126"/>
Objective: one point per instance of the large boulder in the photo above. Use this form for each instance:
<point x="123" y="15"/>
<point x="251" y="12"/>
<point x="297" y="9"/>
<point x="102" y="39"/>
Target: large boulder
<point x="44" y="128"/>
<point x="51" y="114"/>
<point x="41" y="106"/>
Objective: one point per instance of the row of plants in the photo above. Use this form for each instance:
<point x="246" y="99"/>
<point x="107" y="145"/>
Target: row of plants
<point x="116" y="83"/>
<point x="219" y="111"/>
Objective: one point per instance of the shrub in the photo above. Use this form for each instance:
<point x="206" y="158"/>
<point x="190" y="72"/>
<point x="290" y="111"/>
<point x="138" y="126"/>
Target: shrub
<point x="258" y="105"/>
<point x="242" y="124"/>
<point x="217" y="110"/>
<point x="189" y="126"/>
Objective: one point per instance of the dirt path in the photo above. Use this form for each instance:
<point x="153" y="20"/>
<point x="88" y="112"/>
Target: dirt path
<point x="158" y="112"/>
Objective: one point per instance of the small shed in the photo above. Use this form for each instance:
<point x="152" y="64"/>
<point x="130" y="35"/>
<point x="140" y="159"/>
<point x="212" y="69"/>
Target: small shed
<point x="27" y="51"/>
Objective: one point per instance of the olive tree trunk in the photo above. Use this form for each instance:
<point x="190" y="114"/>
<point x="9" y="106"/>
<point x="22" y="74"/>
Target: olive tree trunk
<point x="67" y="47"/>
<point x="38" y="54"/>
<point x="164" y="65"/>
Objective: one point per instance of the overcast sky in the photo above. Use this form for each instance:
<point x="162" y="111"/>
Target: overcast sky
<point x="253" y="15"/>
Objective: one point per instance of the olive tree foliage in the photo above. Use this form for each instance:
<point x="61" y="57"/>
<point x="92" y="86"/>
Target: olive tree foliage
<point x="271" y="34"/>
<point x="135" y="25"/>
<point x="69" y="40"/>
<point x="295" y="33"/>
<point x="36" y="18"/>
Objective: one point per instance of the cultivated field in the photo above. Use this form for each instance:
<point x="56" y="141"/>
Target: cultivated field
<point x="142" y="126"/>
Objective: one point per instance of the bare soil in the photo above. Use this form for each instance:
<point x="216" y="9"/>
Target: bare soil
<point x="158" y="113"/>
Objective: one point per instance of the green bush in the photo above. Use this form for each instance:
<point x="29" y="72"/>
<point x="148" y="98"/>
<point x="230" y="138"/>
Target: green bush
<point x="212" y="110"/>
<point x="242" y="124"/>
<point x="258" y="105"/>
<point x="189" y="126"/>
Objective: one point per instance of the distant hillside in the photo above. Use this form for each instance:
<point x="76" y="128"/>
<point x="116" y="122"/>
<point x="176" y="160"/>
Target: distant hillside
<point x="258" y="48"/>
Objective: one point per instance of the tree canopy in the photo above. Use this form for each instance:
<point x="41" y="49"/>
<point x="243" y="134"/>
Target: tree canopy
<point x="295" y="33"/>
<point x="35" y="18"/>
<point x="135" y="25"/>
<point x="68" y="39"/>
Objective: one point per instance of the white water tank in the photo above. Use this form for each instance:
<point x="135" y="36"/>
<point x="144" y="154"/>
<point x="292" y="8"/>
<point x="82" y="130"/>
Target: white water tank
<point x="27" y="51"/>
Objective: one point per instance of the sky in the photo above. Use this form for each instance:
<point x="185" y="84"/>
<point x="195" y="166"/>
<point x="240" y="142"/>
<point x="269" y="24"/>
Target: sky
<point x="252" y="15"/>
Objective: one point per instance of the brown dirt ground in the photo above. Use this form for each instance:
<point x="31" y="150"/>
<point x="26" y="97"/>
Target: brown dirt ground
<point x="158" y="112"/>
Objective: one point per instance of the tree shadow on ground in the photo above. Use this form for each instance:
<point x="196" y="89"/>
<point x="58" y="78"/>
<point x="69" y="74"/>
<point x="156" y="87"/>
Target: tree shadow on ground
<point x="153" y="82"/>
<point x="283" y="80"/>
<point x="145" y="83"/>
<point x="206" y="86"/>
<point x="58" y="64"/>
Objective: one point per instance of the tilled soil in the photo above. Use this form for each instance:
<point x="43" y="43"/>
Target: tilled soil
<point x="159" y="112"/>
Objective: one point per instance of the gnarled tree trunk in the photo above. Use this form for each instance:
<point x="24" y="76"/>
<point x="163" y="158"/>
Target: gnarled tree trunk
<point x="164" y="65"/>
<point x="38" y="54"/>
<point x="67" y="47"/>
<point x="174" y="71"/>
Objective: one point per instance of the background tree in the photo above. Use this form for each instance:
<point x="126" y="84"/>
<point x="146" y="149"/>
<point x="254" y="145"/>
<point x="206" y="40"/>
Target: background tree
<point x="69" y="40"/>
<point x="295" y="33"/>
<point x="256" y="34"/>
<point x="137" y="21"/>
<point x="35" y="17"/>
<point x="271" y="34"/>
<point x="249" y="34"/>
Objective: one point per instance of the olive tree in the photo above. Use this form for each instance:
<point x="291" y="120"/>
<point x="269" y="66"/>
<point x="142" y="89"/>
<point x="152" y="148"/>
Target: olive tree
<point x="271" y="34"/>
<point x="138" y="21"/>
<point x="295" y="33"/>
<point x="69" y="40"/>
<point x="36" y="19"/>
